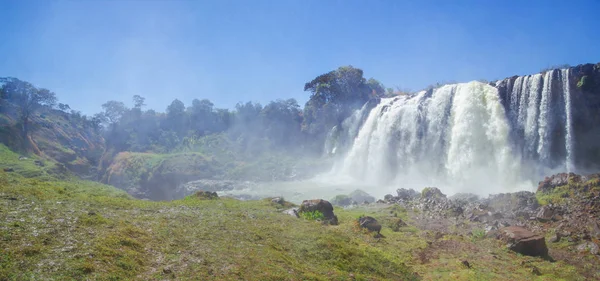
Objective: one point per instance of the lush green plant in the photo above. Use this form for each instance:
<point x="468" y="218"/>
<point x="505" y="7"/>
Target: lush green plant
<point x="478" y="234"/>
<point x="313" y="215"/>
<point x="582" y="81"/>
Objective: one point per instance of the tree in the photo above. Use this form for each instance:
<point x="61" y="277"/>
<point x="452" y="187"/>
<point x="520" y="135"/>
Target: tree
<point x="28" y="100"/>
<point x="64" y="107"/>
<point x="282" y="121"/>
<point x="138" y="102"/>
<point x="176" y="118"/>
<point x="113" y="111"/>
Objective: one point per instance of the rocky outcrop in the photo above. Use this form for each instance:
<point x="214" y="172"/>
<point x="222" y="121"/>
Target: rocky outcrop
<point x="322" y="206"/>
<point x="523" y="241"/>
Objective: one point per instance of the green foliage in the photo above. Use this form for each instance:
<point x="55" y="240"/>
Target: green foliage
<point x="312" y="215"/>
<point x="582" y="82"/>
<point x="478" y="234"/>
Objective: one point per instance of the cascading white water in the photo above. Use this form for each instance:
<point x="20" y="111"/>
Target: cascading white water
<point x="461" y="138"/>
<point x="545" y="119"/>
<point x="457" y="136"/>
<point x="568" y="122"/>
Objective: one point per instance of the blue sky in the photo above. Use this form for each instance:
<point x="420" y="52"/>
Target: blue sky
<point x="89" y="52"/>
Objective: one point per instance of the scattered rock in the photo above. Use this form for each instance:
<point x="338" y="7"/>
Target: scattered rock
<point x="322" y="206"/>
<point x="590" y="247"/>
<point x="369" y="223"/>
<point x="206" y="195"/>
<point x="523" y="241"/>
<point x="167" y="270"/>
<point x="554" y="181"/>
<point x="292" y="212"/>
<point x="9" y="170"/>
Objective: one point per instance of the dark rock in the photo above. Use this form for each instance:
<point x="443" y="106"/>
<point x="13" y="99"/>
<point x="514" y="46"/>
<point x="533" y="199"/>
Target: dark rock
<point x="590" y="247"/>
<point x="167" y="270"/>
<point x="206" y="195"/>
<point x="322" y="206"/>
<point x="361" y="196"/>
<point x="39" y="163"/>
<point x="9" y="170"/>
<point x="523" y="241"/>
<point x="369" y="223"/>
<point x="466" y="264"/>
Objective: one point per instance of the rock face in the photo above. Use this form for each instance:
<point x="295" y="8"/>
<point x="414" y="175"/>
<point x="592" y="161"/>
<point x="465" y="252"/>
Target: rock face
<point x="322" y="206"/>
<point x="369" y="223"/>
<point x="523" y="241"/>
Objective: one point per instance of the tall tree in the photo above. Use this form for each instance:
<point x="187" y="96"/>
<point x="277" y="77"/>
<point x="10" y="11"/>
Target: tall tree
<point x="113" y="111"/>
<point x="28" y="100"/>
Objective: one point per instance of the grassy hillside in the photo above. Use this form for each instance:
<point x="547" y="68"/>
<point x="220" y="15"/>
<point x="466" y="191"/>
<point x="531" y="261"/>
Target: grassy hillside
<point x="69" y="229"/>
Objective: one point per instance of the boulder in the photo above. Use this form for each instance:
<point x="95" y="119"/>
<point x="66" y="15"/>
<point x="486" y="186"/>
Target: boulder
<point x="545" y="214"/>
<point x="322" y="206"/>
<point x="590" y="247"/>
<point x="369" y="223"/>
<point x="278" y="200"/>
<point x="292" y="212"/>
<point x="523" y="241"/>
<point x="432" y="193"/>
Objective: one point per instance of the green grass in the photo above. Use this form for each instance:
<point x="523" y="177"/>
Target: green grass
<point x="53" y="229"/>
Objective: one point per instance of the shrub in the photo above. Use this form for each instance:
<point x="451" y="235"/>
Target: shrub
<point x="313" y="215"/>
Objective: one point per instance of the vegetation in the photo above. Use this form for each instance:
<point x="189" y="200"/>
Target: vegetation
<point x="312" y="215"/>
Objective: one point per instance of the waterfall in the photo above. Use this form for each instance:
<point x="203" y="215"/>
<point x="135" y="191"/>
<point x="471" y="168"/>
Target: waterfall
<point x="465" y="137"/>
<point x="568" y="121"/>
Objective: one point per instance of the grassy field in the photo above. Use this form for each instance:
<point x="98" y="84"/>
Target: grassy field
<point x="68" y="229"/>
